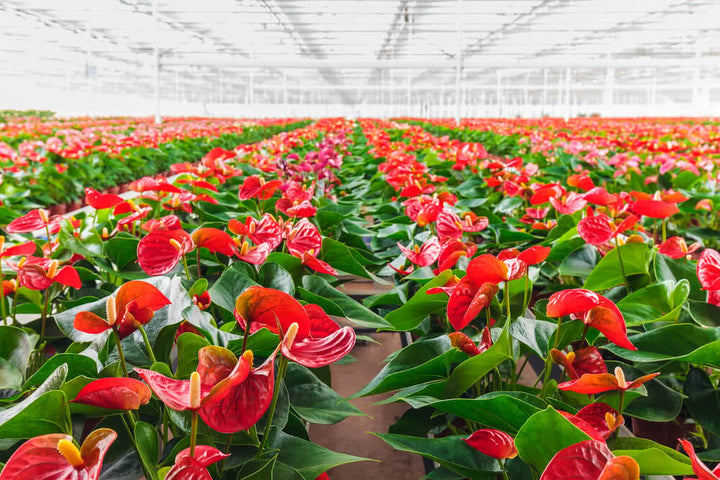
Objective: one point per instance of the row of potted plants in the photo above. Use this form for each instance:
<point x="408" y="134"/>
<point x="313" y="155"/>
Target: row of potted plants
<point x="558" y="315"/>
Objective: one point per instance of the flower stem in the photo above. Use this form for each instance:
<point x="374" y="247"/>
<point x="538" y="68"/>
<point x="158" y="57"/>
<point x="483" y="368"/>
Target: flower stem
<point x="525" y="292"/>
<point x="622" y="266"/>
<point x="44" y="316"/>
<point x="187" y="272"/>
<point x="664" y="229"/>
<point x="282" y="368"/>
<point x="148" y="346"/>
<point x="246" y="334"/>
<point x="507" y="299"/>
<point x="621" y="401"/>
<point x="548" y="360"/>
<point x="193" y="432"/>
<point x="2" y="299"/>
<point x="504" y="470"/>
<point x="14" y="307"/>
<point x="121" y="355"/>
<point x="197" y="258"/>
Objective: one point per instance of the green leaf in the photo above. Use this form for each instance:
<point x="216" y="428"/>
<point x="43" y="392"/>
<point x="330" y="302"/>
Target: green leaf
<point x="667" y="268"/>
<point x="77" y="365"/>
<point x="318" y="290"/>
<point x="309" y="459"/>
<point x="534" y="333"/>
<point x="653" y="458"/>
<point x="580" y="262"/>
<point x="10" y="377"/>
<point x="607" y="273"/>
<point x="681" y="342"/>
<point x="419" y="362"/>
<point x="121" y="249"/>
<point x="543" y="435"/>
<point x="422" y="304"/>
<point x="16" y="346"/>
<point x="188" y="344"/>
<point x="263" y="469"/>
<point x="233" y="281"/>
<point x="506" y="411"/>
<point x="474" y="368"/>
<point x="273" y="275"/>
<point x="313" y="400"/>
<point x="342" y="257"/>
<point x="703" y="400"/>
<point x="704" y="314"/>
<point x="451" y="452"/>
<point x="148" y="443"/>
<point x="660" y="302"/>
<point x="43" y="411"/>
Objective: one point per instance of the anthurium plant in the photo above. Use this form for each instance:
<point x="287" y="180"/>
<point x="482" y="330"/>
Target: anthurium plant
<point x="558" y="291"/>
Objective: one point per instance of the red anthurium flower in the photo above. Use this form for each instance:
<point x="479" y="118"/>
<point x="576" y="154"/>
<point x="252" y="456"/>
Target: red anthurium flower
<point x="195" y="468"/>
<point x="547" y="192"/>
<point x="39" y="273"/>
<point x="297" y="192"/>
<point x="303" y="236"/>
<point x="471" y="223"/>
<point x="675" y="247"/>
<point x="255" y="255"/>
<point x="580" y="362"/>
<point x="465" y="344"/>
<point x="466" y="301"/>
<point x="593" y="383"/>
<point x="226" y="391"/>
<point x="202" y="300"/>
<point x="160" y="250"/>
<point x="708" y="269"/>
<point x="255" y="186"/>
<point x="24" y="249"/>
<point x="117" y="393"/>
<point x="590" y="460"/>
<point x="476" y="289"/>
<point x="704" y="204"/>
<point x="448" y="225"/>
<point x="150" y="184"/>
<point x="55" y="456"/>
<point x="452" y="250"/>
<point x="311" y="261"/>
<point x="598" y="196"/>
<point x="569" y="204"/>
<point x="302" y="209"/>
<point x="214" y="240"/>
<point x="99" y="201"/>
<point x="318" y="341"/>
<point x="32" y="221"/>
<point x="581" y="181"/>
<point x="267" y="230"/>
<point x="134" y="303"/>
<point x="422" y="255"/>
<point x="534" y="255"/>
<point x="493" y="443"/>
<point x="700" y="469"/>
<point x="168" y="222"/>
<point x="595" y="310"/>
<point x="655" y="208"/>
<point x="603" y="418"/>
<point x="599" y="229"/>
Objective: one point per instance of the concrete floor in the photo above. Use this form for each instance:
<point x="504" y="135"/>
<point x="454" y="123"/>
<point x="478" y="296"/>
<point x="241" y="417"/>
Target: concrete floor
<point x="350" y="435"/>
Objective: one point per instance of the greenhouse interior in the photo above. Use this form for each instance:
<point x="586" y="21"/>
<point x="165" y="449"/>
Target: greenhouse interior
<point x="334" y="239"/>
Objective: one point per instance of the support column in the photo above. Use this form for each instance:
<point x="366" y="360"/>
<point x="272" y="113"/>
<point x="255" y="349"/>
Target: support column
<point x="458" y="63"/>
<point x="156" y="57"/>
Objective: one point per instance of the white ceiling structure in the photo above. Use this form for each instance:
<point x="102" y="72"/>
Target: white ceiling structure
<point x="361" y="57"/>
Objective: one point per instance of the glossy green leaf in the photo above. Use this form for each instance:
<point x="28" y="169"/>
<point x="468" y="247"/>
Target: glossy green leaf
<point x="682" y="342"/>
<point x="233" y="281"/>
<point x="316" y="288"/>
<point x="543" y="435"/>
<point x="420" y="305"/>
<point x="703" y="400"/>
<point x="474" y="368"/>
<point x="653" y="458"/>
<point x="309" y="459"/>
<point x="451" y="452"/>
<point x="148" y="444"/>
<point x="313" y="400"/>
<point x="607" y="272"/>
<point x="660" y="302"/>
